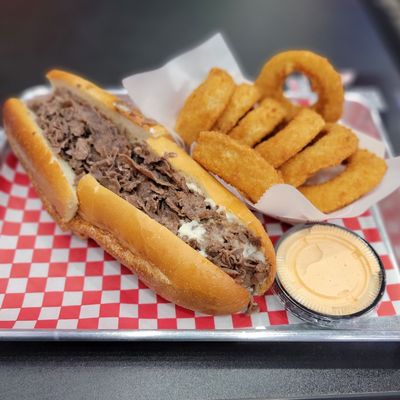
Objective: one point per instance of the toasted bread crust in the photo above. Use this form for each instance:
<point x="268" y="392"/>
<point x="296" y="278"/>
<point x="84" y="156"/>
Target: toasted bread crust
<point x="234" y="298"/>
<point x="178" y="272"/>
<point x="112" y="106"/>
<point x="161" y="259"/>
<point x="221" y="196"/>
<point x="53" y="176"/>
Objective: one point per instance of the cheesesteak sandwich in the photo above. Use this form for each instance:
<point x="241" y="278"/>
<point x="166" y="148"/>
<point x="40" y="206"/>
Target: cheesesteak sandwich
<point x="106" y="172"/>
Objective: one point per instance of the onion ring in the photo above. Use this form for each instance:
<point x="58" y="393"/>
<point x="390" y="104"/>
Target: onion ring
<point x="325" y="80"/>
<point x="244" y="97"/>
<point x="297" y="134"/>
<point x="259" y="123"/>
<point x="204" y="106"/>
<point x="363" y="173"/>
<point x="337" y="144"/>
<point x="237" y="164"/>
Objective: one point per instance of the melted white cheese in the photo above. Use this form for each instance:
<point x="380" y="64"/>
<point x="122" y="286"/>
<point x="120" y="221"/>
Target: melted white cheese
<point x="192" y="230"/>
<point x="231" y="217"/>
<point x="193" y="187"/>
<point x="211" y="203"/>
<point x="251" y="252"/>
<point x="203" y="253"/>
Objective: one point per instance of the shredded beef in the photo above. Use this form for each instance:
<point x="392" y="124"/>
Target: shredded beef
<point x="91" y="143"/>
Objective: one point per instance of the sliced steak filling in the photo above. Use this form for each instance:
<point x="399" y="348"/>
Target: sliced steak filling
<point x="91" y="143"/>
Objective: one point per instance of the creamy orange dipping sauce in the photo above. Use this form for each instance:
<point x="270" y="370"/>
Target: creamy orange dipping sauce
<point x="328" y="270"/>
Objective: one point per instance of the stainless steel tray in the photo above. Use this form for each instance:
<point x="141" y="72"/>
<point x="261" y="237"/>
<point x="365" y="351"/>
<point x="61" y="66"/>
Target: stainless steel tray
<point x="373" y="329"/>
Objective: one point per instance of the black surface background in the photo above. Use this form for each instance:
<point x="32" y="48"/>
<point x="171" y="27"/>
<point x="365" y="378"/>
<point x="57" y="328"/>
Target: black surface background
<point x="106" y="41"/>
<point x="194" y="370"/>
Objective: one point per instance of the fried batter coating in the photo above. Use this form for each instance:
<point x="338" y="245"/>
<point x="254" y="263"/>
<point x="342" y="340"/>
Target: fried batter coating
<point x="338" y="144"/>
<point x="244" y="97"/>
<point x="299" y="132"/>
<point x="259" y="123"/>
<point x="325" y="81"/>
<point x="204" y="106"/>
<point x="237" y="164"/>
<point x="363" y="173"/>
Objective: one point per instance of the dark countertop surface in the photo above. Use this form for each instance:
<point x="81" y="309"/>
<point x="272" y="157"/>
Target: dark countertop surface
<point x="107" y="41"/>
<point x="194" y="371"/>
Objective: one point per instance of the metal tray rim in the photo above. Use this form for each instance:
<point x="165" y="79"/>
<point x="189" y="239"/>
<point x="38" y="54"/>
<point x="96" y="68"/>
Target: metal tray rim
<point x="309" y="335"/>
<point x="246" y="335"/>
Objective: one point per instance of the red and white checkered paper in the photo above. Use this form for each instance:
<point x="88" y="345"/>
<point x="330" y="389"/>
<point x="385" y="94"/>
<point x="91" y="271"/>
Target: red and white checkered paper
<point x="50" y="279"/>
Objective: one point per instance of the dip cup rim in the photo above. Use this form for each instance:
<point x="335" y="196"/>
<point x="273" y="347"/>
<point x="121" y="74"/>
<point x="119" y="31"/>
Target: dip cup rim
<point x="309" y="315"/>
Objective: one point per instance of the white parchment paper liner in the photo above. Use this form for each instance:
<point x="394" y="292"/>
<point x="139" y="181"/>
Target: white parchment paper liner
<point x="161" y="93"/>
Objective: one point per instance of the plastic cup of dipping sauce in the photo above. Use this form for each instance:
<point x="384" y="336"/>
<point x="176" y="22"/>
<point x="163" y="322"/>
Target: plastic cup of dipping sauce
<point x="327" y="274"/>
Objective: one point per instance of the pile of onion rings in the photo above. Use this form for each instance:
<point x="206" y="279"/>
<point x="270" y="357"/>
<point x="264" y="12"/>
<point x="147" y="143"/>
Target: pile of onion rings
<point x="325" y="81"/>
<point x="221" y="155"/>
<point x="252" y="137"/>
<point x="205" y="105"/>
<point x="299" y="132"/>
<point x="336" y="145"/>
<point x="363" y="172"/>
<point x="259" y="123"/>
<point x="244" y="97"/>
